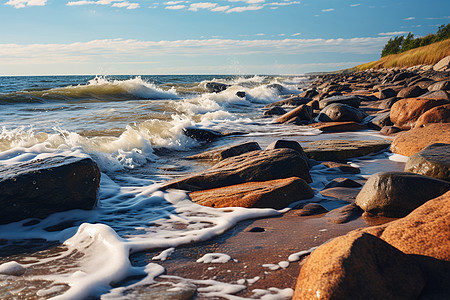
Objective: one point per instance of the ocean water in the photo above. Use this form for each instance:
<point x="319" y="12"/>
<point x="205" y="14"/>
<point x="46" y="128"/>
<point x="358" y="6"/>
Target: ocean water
<point x="132" y="126"/>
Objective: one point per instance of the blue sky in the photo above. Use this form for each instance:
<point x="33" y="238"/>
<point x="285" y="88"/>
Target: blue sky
<point x="104" y="37"/>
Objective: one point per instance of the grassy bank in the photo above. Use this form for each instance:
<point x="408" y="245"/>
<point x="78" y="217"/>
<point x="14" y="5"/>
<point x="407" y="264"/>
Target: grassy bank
<point x="426" y="55"/>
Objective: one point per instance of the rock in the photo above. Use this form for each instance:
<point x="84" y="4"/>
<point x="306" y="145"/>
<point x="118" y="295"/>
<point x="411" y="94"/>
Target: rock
<point x="275" y="111"/>
<point x="311" y="209"/>
<point x="387" y="93"/>
<point x="341" y="113"/>
<point x="433" y="161"/>
<point x="276" y="194"/>
<point x="389" y="130"/>
<point x="396" y="194"/>
<point x="342" y="167"/>
<point x="344" y="214"/>
<point x="202" y="135"/>
<point x="443" y="85"/>
<point x="425" y="231"/>
<point x="412" y="141"/>
<point x="352" y="100"/>
<point x="339" y="126"/>
<point x="438" y="114"/>
<point x="240" y="94"/>
<point x="411" y="92"/>
<point x="277" y="87"/>
<point x="292" y="101"/>
<point x="303" y="112"/>
<point x="216" y="87"/>
<point x="309" y="93"/>
<point x="436" y="95"/>
<point x="402" y="76"/>
<point x="342" y="182"/>
<point x="227" y="151"/>
<point x="294" y="145"/>
<point x="387" y="103"/>
<point x="381" y="120"/>
<point x="359" y="266"/>
<point x="253" y="166"/>
<point x="39" y="188"/>
<point x="314" y="104"/>
<point x="405" y="112"/>
<point x="443" y="64"/>
<point x="338" y="150"/>
<point x="345" y="194"/>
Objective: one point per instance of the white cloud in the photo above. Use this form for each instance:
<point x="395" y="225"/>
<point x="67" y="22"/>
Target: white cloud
<point x="392" y="33"/>
<point x="175" y="7"/>
<point x="248" y="1"/>
<point x="260" y="34"/>
<point x="221" y="8"/>
<point x="113" y="3"/>
<point x="354" y="5"/>
<point x="173" y="2"/>
<point x="328" y="9"/>
<point x="283" y="3"/>
<point x="439" y="18"/>
<point x="24" y="3"/>
<point x="202" y="5"/>
<point x="244" y="8"/>
<point x="296" y="34"/>
<point x="408" y="19"/>
<point x="126" y="4"/>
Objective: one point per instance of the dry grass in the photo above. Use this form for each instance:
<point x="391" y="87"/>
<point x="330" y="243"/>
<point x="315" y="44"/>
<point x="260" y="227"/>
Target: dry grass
<point x="426" y="55"/>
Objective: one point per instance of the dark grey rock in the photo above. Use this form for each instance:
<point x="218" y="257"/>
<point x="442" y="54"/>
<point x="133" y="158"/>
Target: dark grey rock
<point x="294" y="145"/>
<point x="433" y="161"/>
<point x="216" y="87"/>
<point x="353" y="100"/>
<point x="202" y="135"/>
<point x="338" y="112"/>
<point x="227" y="151"/>
<point x="275" y="111"/>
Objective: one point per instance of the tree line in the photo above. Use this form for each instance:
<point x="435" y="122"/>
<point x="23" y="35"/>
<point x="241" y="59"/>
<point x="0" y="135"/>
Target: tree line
<point x="400" y="44"/>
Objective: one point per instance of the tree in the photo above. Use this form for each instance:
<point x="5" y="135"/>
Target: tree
<point x="408" y="42"/>
<point x="392" y="46"/>
<point x="443" y="32"/>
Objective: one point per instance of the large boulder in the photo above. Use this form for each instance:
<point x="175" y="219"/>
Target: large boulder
<point x="338" y="112"/>
<point x="253" y="166"/>
<point x="276" y="194"/>
<point x="359" y="266"/>
<point x="396" y="194"/>
<point x="436" y="95"/>
<point x="352" y="100"/>
<point x="202" y="135"/>
<point x="443" y="85"/>
<point x="39" y="188"/>
<point x="425" y="231"/>
<point x="438" y="114"/>
<point x="433" y="161"/>
<point x="303" y="112"/>
<point x="412" y="141"/>
<point x="227" y="151"/>
<point x="338" y="150"/>
<point x="405" y="112"/>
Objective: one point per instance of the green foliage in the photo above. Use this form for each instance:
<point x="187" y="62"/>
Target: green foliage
<point x="401" y="44"/>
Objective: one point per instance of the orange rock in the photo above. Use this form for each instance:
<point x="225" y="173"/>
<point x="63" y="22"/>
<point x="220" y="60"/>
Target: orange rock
<point x="425" y="231"/>
<point x="405" y="112"/>
<point x="275" y="194"/>
<point x="359" y="266"/>
<point x="438" y="114"/>
<point x="304" y="112"/>
<point x="410" y="142"/>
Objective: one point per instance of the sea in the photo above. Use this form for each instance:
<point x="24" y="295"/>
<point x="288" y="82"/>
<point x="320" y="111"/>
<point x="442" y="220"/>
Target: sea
<point x="132" y="127"/>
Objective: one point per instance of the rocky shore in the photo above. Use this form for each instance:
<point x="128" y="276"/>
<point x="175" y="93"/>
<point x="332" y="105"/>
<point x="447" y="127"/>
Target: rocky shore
<point x="405" y="256"/>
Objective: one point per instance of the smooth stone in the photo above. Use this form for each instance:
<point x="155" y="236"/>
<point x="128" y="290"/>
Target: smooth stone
<point x="39" y="188"/>
<point x="222" y="153"/>
<point x="345" y="194"/>
<point x="387" y="93"/>
<point x="260" y="165"/>
<point x="292" y="101"/>
<point x="440" y="85"/>
<point x="275" y="111"/>
<point x="338" y="112"/>
<point x="411" y="92"/>
<point x="303" y="112"/>
<point x="436" y="95"/>
<point x="309" y="93"/>
<point x="216" y="87"/>
<point x="311" y="209"/>
<point x="396" y="194"/>
<point x="352" y="100"/>
<point x="438" y="114"/>
<point x="338" y="150"/>
<point x="276" y="194"/>
<point x="359" y="266"/>
<point x="381" y="120"/>
<point x="339" y="126"/>
<point x="410" y="142"/>
<point x="344" y="214"/>
<point x="443" y="64"/>
<point x="294" y="145"/>
<point x="343" y="182"/>
<point x="202" y="135"/>
<point x="405" y="112"/>
<point x="387" y="103"/>
<point x="389" y="130"/>
<point x="433" y="161"/>
<point x="240" y="94"/>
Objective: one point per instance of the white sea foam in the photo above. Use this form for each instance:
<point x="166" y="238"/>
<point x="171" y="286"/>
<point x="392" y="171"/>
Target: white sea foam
<point x="214" y="258"/>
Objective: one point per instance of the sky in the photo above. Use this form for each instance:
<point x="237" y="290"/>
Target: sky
<point x="240" y="37"/>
